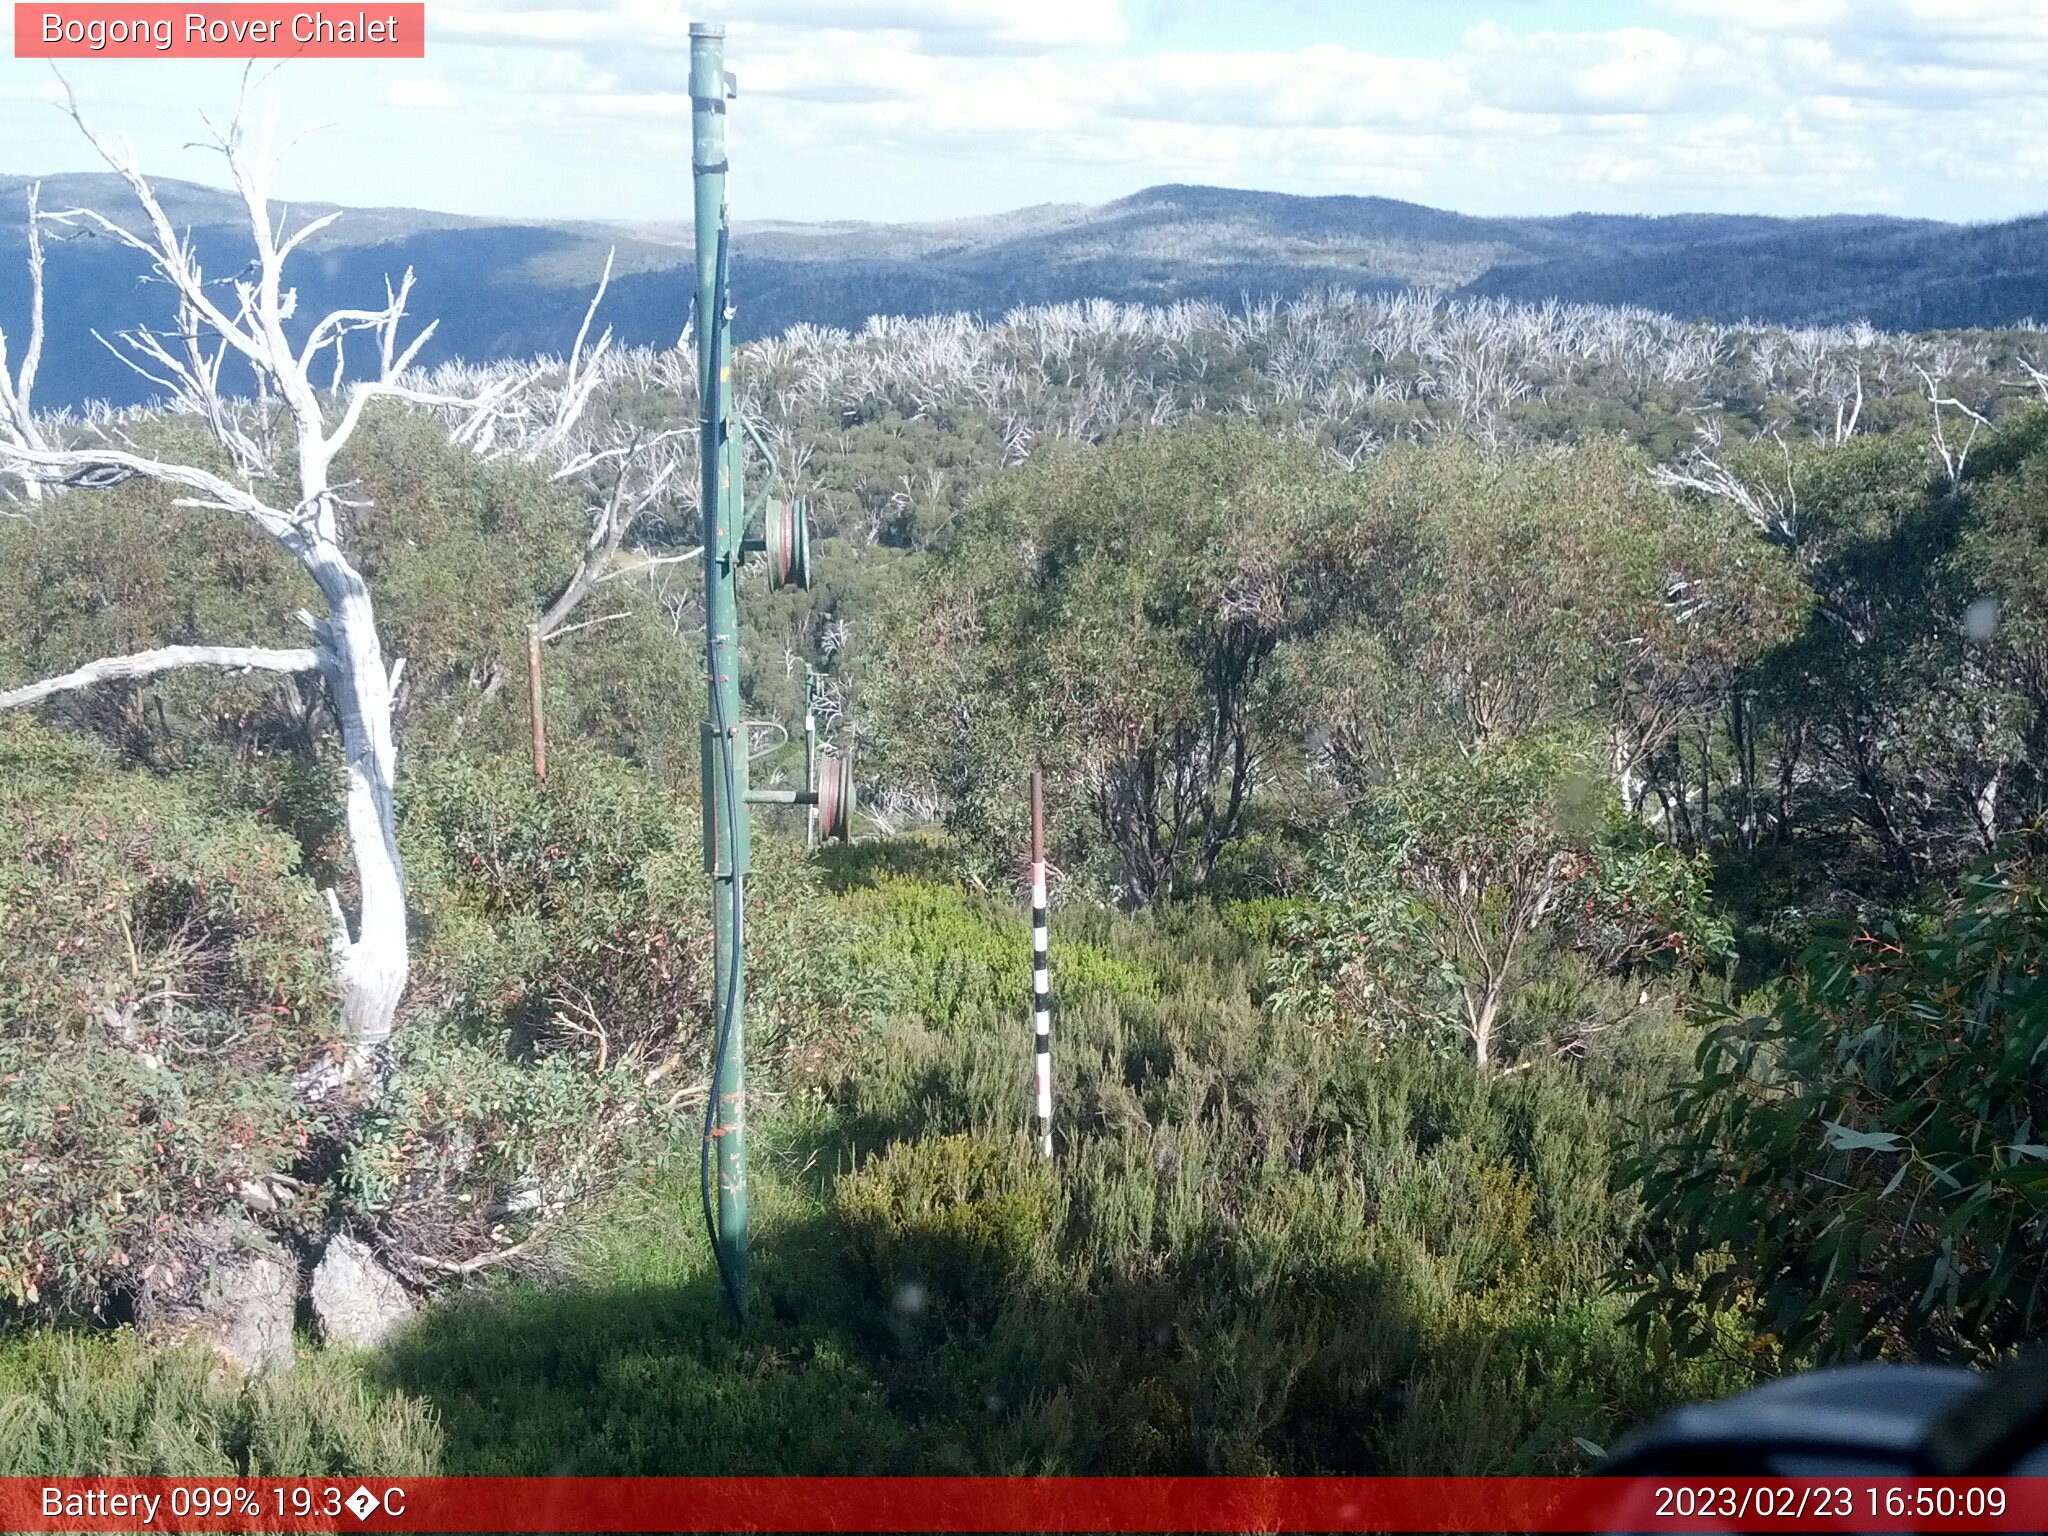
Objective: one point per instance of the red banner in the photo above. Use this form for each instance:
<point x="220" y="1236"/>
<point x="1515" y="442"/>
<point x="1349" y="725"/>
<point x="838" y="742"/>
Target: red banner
<point x="993" y="1504"/>
<point x="355" y="29"/>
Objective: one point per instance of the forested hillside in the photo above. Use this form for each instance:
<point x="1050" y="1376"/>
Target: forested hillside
<point x="506" y="290"/>
<point x="1548" y="904"/>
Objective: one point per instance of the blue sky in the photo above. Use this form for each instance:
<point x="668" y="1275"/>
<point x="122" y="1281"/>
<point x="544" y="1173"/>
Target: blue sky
<point x="901" y="109"/>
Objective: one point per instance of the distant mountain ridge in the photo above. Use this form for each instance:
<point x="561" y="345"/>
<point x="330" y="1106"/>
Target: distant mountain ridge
<point x="508" y="288"/>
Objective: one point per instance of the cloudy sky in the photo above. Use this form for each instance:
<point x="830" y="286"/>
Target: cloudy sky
<point x="901" y="109"/>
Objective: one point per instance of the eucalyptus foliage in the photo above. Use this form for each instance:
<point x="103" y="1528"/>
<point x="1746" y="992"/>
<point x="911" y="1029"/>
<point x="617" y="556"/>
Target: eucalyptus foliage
<point x="1111" y="614"/>
<point x="1458" y="881"/>
<point x="1861" y="1166"/>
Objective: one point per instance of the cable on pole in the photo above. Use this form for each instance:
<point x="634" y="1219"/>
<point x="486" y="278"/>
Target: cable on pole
<point x="729" y="820"/>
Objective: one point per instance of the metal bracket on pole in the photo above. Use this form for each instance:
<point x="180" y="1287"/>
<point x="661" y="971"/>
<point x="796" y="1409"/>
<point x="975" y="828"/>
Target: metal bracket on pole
<point x="811" y="752"/>
<point x="723" y="846"/>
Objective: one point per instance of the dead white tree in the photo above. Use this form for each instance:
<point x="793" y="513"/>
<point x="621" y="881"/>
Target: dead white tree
<point x="17" y="391"/>
<point x="1775" y="512"/>
<point x="1955" y="456"/>
<point x="1848" y="403"/>
<point x="580" y="378"/>
<point x="639" y="470"/>
<point x="626" y="476"/>
<point x="244" y="321"/>
<point x="169" y="658"/>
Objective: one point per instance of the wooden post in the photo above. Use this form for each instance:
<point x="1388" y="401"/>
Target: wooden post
<point x="1041" y="979"/>
<point x="540" y="729"/>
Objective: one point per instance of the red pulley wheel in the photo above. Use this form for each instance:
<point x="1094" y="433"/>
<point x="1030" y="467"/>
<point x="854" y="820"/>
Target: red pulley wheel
<point x="835" y="796"/>
<point x="788" y="540"/>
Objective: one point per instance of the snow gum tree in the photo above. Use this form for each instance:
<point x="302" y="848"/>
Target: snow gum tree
<point x="279" y="448"/>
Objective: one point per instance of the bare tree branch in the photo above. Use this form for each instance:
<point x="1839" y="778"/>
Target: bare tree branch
<point x="628" y="499"/>
<point x="170" y="658"/>
<point x="582" y="375"/>
<point x="649" y="563"/>
<point x="1955" y="457"/>
<point x="1775" y="512"/>
<point x="97" y="468"/>
<point x="570" y="629"/>
<point x="1848" y="412"/>
<point x="17" y="394"/>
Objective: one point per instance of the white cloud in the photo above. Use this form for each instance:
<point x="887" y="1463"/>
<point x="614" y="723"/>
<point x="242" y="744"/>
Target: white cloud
<point x="972" y="25"/>
<point x="935" y="27"/>
<point x="1318" y="86"/>
<point x="1765" y="15"/>
<point x="1637" y="69"/>
<point x="932" y="108"/>
<point x="422" y="94"/>
<point x="1961" y="50"/>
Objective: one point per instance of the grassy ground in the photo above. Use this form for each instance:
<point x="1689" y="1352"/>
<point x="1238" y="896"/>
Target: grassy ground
<point x="74" y="1405"/>
<point x="1260" y="1250"/>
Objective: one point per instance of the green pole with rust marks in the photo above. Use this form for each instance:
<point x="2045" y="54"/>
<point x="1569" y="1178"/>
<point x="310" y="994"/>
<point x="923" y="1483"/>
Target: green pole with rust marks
<point x="726" y="831"/>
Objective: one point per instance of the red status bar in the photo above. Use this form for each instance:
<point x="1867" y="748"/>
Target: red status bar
<point x="1023" y="1504"/>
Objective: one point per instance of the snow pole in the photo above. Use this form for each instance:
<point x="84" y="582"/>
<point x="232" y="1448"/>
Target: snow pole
<point x="1041" y="974"/>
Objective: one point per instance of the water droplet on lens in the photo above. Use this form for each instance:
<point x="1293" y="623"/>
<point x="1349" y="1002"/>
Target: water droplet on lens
<point x="1981" y="621"/>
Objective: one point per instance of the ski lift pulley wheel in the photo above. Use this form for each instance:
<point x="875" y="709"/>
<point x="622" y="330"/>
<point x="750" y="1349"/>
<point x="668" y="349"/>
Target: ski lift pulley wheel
<point x="788" y="541"/>
<point x="835" y="795"/>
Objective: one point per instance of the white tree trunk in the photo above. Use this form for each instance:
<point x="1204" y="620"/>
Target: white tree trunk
<point x="1480" y="1014"/>
<point x="1627" y="781"/>
<point x="1987" y="810"/>
<point x="17" y="392"/>
<point x="375" y="963"/>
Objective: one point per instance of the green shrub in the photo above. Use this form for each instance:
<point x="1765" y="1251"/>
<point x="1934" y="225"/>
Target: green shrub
<point x="130" y="568"/>
<point x="560" y="1023"/>
<point x="956" y="961"/>
<point x="924" y="855"/>
<point x="1277" y="1250"/>
<point x="1261" y="919"/>
<point x="578" y="916"/>
<point x="950" y="1221"/>
<point x="473" y="1148"/>
<point x="163" y="972"/>
<point x="1455" y="884"/>
<point x="1125" y="651"/>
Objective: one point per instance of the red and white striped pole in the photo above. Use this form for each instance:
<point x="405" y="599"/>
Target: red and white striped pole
<point x="1041" y="976"/>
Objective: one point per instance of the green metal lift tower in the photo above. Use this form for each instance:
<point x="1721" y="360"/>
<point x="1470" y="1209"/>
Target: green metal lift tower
<point x="785" y="541"/>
